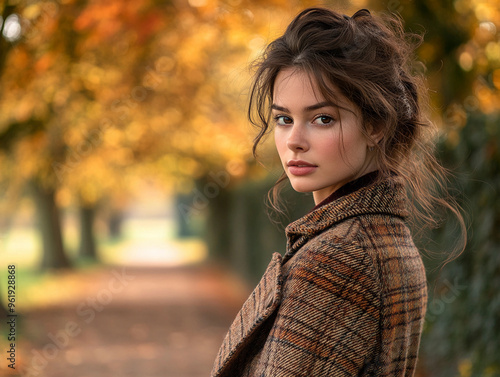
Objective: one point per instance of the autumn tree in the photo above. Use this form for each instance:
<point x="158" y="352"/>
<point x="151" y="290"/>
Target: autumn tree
<point x="64" y="82"/>
<point x="95" y="94"/>
<point x="6" y="14"/>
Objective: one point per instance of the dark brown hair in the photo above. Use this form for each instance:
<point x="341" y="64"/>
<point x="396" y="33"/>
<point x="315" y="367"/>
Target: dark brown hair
<point x="369" y="59"/>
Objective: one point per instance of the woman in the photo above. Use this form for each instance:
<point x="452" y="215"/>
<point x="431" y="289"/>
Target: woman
<point x="348" y="298"/>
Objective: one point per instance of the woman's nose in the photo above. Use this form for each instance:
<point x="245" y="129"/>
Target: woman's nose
<point x="297" y="140"/>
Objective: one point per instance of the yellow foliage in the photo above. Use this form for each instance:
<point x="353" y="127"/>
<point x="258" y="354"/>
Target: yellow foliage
<point x="32" y="11"/>
<point x="466" y="61"/>
<point x="126" y="88"/>
<point x="492" y="51"/>
<point x="486" y="10"/>
<point x="113" y="137"/>
<point x="236" y="167"/>
<point x="496" y="78"/>
<point x="465" y="368"/>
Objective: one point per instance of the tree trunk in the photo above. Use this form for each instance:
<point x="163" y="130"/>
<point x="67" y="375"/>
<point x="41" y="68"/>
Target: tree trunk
<point x="218" y="235"/>
<point x="49" y="223"/>
<point x="3" y="309"/>
<point x="87" y="240"/>
<point x="182" y="217"/>
<point x="115" y="221"/>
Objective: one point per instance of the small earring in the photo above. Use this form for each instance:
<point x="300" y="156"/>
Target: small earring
<point x="370" y="149"/>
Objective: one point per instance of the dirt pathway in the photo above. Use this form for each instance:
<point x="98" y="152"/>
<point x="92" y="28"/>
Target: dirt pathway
<point x="141" y="322"/>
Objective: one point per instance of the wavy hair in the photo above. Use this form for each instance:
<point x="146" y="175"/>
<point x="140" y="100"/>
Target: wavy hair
<point x="370" y="59"/>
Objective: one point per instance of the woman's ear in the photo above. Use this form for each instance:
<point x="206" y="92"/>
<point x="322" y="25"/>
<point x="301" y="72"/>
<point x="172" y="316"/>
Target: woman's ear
<point x="374" y="133"/>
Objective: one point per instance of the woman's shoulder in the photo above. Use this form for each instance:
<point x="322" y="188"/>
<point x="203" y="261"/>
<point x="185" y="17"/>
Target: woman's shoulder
<point x="365" y="241"/>
<point x="371" y="231"/>
<point x="332" y="267"/>
<point x="338" y="247"/>
<point x="362" y="252"/>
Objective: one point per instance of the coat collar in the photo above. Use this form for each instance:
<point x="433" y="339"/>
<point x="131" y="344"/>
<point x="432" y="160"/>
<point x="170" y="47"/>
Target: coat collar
<point x="383" y="197"/>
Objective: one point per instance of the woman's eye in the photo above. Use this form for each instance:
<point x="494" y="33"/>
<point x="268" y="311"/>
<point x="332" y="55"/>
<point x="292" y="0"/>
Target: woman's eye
<point x="324" y="120"/>
<point x="282" y="120"/>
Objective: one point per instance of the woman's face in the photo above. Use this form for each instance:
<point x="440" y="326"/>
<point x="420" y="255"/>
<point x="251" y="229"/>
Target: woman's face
<point x="319" y="154"/>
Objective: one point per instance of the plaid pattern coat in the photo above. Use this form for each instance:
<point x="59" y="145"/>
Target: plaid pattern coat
<point x="347" y="299"/>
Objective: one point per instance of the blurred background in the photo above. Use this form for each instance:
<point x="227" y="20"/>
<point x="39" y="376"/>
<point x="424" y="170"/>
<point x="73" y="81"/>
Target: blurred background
<point x="133" y="209"/>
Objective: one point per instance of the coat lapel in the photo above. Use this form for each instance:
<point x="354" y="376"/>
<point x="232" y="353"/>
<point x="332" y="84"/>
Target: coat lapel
<point x="259" y="306"/>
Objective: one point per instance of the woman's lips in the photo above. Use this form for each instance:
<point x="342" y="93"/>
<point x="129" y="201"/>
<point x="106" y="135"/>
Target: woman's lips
<point x="301" y="170"/>
<point x="298" y="167"/>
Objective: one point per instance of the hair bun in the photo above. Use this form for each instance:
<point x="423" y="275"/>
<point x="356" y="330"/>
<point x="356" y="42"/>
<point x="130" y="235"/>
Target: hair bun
<point x="362" y="13"/>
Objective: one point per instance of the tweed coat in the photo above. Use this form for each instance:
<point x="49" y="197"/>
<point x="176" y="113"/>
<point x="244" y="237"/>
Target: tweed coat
<point x="348" y="298"/>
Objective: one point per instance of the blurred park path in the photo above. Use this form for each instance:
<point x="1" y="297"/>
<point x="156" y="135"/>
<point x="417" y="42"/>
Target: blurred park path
<point x="131" y="321"/>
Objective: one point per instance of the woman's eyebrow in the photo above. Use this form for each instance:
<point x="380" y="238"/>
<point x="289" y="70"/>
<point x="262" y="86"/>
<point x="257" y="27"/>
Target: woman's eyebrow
<point x="317" y="106"/>
<point x="279" y="108"/>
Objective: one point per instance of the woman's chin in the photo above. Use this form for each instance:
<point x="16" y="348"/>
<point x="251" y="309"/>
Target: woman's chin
<point x="302" y="188"/>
